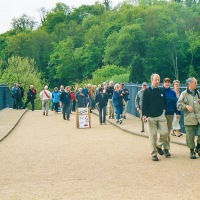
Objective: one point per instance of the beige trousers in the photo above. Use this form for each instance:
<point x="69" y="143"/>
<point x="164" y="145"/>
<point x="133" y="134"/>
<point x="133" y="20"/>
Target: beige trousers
<point x="169" y="126"/>
<point x="110" y="108"/>
<point x="157" y="125"/>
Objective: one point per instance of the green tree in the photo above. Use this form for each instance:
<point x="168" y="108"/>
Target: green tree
<point x="59" y="14"/>
<point x="121" y="47"/>
<point x="63" y="68"/>
<point x="23" y="70"/>
<point x="106" y="73"/>
<point x="137" y="74"/>
<point x="23" y="24"/>
<point x="192" y="72"/>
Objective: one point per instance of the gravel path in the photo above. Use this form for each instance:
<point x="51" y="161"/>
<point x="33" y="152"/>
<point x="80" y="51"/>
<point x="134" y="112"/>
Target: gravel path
<point x="47" y="158"/>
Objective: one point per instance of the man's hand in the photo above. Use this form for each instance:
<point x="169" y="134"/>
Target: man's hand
<point x="144" y="119"/>
<point x="190" y="108"/>
<point x="177" y="116"/>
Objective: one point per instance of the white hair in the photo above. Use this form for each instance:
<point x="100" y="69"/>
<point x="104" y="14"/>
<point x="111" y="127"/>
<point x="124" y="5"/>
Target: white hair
<point x="46" y="87"/>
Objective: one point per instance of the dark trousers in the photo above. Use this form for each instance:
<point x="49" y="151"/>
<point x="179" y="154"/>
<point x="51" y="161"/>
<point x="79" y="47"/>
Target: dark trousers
<point x="56" y="106"/>
<point x="102" y="114"/>
<point x="74" y="105"/>
<point x="32" y="103"/>
<point x="66" y="110"/>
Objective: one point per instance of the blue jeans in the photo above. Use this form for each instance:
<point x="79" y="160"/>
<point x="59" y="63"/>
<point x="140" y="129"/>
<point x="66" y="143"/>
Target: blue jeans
<point x="118" y="111"/>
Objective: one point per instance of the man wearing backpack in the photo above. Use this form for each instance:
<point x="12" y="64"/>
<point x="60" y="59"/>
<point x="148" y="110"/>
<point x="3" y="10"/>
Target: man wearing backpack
<point x="17" y="96"/>
<point x="153" y="112"/>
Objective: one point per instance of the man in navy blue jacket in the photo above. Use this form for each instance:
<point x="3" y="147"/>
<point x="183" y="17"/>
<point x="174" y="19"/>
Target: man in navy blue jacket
<point x="65" y="98"/>
<point x="170" y="110"/>
<point x="102" y="100"/>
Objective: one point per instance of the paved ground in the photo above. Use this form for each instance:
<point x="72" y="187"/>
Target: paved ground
<point x="49" y="158"/>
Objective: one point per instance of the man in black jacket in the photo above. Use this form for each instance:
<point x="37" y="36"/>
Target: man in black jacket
<point x="31" y="95"/>
<point x="102" y="100"/>
<point x="153" y="111"/>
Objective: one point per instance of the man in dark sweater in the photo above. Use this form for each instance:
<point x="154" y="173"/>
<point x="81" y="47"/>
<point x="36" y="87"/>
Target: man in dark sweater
<point x="153" y="112"/>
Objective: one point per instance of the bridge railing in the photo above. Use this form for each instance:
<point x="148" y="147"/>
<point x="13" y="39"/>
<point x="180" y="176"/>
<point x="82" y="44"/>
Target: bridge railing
<point x="6" y="100"/>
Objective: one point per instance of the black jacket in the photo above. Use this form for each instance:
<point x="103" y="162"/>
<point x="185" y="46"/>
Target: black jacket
<point x="102" y="99"/>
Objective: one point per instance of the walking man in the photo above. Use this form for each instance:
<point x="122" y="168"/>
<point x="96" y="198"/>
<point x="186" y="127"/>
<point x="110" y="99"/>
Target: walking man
<point x="189" y="103"/>
<point x="45" y="96"/>
<point x="153" y="111"/>
<point x="31" y="96"/>
<point x="125" y="92"/>
<point x="138" y="101"/>
<point x="65" y="98"/>
<point x="110" y="91"/>
<point x="170" y="111"/>
<point x="102" y="101"/>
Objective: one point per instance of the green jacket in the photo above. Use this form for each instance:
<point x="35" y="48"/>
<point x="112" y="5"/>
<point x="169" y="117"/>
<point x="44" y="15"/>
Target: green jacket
<point x="187" y="98"/>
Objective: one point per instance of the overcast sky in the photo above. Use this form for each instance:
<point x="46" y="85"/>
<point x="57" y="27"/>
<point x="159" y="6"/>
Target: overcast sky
<point x="10" y="9"/>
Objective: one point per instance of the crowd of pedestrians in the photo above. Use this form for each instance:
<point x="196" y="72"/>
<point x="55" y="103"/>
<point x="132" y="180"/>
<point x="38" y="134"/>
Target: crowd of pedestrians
<point x="159" y="107"/>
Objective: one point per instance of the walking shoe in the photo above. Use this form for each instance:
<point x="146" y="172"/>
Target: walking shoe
<point x="43" y="113"/>
<point x="142" y="131"/>
<point x="124" y="117"/>
<point x="155" y="158"/>
<point x="173" y="133"/>
<point x="166" y="152"/>
<point x="64" y="117"/>
<point x="178" y="134"/>
<point x="192" y="154"/>
<point x="197" y="149"/>
<point x="120" y="121"/>
<point x="160" y="151"/>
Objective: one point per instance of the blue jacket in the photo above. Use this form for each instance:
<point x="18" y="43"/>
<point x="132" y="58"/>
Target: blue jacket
<point x="171" y="102"/>
<point x="56" y="97"/>
<point x="117" y="99"/>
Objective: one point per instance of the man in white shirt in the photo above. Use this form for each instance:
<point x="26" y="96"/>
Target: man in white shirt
<point x="45" y="96"/>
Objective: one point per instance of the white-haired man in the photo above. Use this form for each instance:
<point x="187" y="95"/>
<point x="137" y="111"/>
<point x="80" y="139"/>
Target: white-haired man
<point x="45" y="96"/>
<point x="189" y="103"/>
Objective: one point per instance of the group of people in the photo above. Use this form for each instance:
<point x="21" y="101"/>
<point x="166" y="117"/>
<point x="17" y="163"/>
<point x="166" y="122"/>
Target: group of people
<point x="114" y="99"/>
<point x="18" y="95"/>
<point x="104" y="97"/>
<point x="161" y="109"/>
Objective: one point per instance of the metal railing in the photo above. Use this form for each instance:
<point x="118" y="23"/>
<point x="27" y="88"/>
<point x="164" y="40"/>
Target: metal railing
<point x="6" y="100"/>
